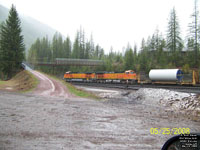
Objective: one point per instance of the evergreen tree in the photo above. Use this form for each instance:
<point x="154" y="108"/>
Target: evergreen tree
<point x="135" y="57"/>
<point x="81" y="44"/>
<point x="87" y="50"/>
<point x="97" y="52"/>
<point x="12" y="46"/>
<point x="101" y="53"/>
<point x="61" y="52"/>
<point x="129" y="59"/>
<point x="173" y="35"/>
<point x="57" y="46"/>
<point x="76" y="50"/>
<point x="194" y="33"/>
<point x="91" y="47"/>
<point x="67" y="48"/>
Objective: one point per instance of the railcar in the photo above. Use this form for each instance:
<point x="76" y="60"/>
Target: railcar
<point x="173" y="76"/>
<point x="155" y="76"/>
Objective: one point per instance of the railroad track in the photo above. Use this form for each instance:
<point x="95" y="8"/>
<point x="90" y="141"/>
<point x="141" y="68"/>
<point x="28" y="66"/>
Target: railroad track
<point x="180" y="88"/>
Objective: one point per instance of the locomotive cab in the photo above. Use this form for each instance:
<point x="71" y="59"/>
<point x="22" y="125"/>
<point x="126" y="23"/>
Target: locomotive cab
<point x="67" y="76"/>
<point x="68" y="72"/>
<point x="130" y="76"/>
<point x="129" y="72"/>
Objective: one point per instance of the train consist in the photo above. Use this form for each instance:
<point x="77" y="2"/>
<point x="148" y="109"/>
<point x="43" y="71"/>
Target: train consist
<point x="156" y="76"/>
<point x="127" y="76"/>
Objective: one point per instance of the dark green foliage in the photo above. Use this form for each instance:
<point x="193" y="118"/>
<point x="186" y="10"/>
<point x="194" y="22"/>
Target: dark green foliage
<point x="67" y="48"/>
<point x="129" y="59"/>
<point x="11" y="45"/>
<point x="76" y="48"/>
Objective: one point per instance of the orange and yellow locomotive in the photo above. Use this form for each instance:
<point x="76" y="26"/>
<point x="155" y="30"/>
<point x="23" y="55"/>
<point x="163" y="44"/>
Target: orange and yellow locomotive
<point x="127" y="76"/>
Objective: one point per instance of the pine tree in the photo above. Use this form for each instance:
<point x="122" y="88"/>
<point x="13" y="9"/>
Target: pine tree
<point x="135" y="56"/>
<point x="97" y="51"/>
<point x="87" y="50"/>
<point x="129" y="59"/>
<point x="81" y="43"/>
<point x="12" y="46"/>
<point x="57" y="46"/>
<point x="194" y="33"/>
<point x="91" y="54"/>
<point x="67" y="48"/>
<point x="173" y="35"/>
<point x="76" y="50"/>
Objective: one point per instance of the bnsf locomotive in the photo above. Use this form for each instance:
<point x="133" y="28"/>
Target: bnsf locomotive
<point x="127" y="76"/>
<point x="156" y="76"/>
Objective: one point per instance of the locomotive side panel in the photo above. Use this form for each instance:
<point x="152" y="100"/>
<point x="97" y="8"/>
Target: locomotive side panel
<point x="113" y="76"/>
<point x="79" y="76"/>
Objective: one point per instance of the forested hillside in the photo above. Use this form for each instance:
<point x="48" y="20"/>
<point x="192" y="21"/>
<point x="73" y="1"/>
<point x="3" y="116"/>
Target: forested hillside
<point x="156" y="51"/>
<point x="31" y="28"/>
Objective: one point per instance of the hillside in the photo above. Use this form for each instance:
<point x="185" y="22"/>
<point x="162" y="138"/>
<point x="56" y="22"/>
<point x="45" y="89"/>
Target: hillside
<point x="31" y="28"/>
<point x="24" y="81"/>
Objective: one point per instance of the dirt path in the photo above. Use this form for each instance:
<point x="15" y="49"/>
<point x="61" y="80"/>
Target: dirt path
<point x="49" y="87"/>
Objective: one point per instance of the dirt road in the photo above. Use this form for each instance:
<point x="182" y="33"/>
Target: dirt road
<point x="50" y="87"/>
<point x="32" y="121"/>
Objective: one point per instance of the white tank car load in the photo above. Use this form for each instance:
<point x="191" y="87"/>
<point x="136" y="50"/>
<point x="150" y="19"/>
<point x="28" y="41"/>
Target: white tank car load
<point x="165" y="75"/>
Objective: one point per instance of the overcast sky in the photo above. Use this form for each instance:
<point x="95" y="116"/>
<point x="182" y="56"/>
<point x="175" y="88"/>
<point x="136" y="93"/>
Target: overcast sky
<point x="112" y="22"/>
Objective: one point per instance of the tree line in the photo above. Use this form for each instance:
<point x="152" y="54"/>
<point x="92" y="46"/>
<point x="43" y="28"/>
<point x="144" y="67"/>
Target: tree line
<point x="46" y="50"/>
<point x="11" y="45"/>
<point x="156" y="51"/>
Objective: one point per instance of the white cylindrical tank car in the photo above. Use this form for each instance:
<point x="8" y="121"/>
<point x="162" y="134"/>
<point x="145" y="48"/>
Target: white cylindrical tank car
<point x="165" y="75"/>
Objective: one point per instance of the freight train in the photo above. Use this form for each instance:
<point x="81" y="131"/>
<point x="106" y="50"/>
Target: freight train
<point x="156" y="76"/>
<point x="128" y="76"/>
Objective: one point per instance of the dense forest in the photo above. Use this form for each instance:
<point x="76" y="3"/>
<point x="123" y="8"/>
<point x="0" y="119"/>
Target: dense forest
<point x="156" y="51"/>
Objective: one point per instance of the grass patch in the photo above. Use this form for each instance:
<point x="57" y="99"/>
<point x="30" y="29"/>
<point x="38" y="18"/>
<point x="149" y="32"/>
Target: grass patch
<point x="2" y="82"/>
<point x="79" y="92"/>
<point x="24" y="81"/>
<point x="32" y="82"/>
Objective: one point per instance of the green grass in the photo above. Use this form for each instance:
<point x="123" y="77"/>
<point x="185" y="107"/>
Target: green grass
<point x="79" y="92"/>
<point x="2" y="82"/>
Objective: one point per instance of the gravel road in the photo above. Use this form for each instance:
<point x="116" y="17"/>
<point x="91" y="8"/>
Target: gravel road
<point x="49" y="87"/>
<point x="41" y="120"/>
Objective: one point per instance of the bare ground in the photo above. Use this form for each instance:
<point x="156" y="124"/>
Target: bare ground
<point x="47" y="119"/>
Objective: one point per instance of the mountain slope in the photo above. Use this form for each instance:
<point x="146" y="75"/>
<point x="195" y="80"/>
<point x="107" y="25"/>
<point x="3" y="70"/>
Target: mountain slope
<point x="31" y="28"/>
